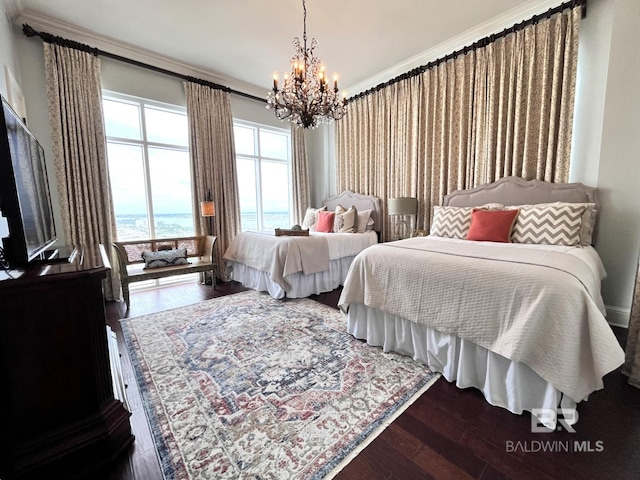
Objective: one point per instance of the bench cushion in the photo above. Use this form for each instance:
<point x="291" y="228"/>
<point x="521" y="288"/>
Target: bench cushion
<point x="136" y="272"/>
<point x="165" y="258"/>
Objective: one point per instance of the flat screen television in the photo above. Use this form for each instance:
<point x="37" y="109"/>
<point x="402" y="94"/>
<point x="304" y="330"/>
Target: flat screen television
<point x="24" y="192"/>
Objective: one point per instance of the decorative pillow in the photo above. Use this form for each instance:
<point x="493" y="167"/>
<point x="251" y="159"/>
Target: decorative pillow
<point x="549" y="224"/>
<point x="165" y="258"/>
<point x="454" y="222"/>
<point x="345" y="220"/>
<point x="325" y="221"/>
<point x="451" y="222"/>
<point x="311" y="218"/>
<point x="364" y="221"/>
<point x="492" y="225"/>
<point x="588" y="218"/>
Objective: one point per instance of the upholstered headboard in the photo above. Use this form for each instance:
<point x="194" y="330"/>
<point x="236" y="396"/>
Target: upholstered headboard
<point x="360" y="201"/>
<point x="517" y="191"/>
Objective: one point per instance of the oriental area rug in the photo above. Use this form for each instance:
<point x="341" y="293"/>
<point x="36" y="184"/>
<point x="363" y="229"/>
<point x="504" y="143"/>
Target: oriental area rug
<point x="248" y="387"/>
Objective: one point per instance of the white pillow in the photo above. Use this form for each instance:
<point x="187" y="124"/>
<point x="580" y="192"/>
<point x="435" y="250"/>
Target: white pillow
<point x="345" y="220"/>
<point x="364" y="221"/>
<point x="311" y="218"/>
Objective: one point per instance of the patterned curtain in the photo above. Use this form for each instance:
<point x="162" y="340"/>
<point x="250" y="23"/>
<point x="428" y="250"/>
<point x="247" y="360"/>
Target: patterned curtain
<point x="631" y="366"/>
<point x="502" y="109"/>
<point x="300" y="172"/>
<point x="213" y="160"/>
<point x="77" y="134"/>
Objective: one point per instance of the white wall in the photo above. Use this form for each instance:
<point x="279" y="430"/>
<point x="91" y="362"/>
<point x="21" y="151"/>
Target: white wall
<point x="8" y="57"/>
<point x="8" y="60"/>
<point x="606" y="147"/>
<point x="322" y="163"/>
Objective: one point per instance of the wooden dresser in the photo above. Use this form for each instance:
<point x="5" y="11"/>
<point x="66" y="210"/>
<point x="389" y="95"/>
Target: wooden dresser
<point x="58" y="414"/>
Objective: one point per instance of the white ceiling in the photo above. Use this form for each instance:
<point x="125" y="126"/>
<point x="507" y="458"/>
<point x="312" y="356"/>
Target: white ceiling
<point x="239" y="43"/>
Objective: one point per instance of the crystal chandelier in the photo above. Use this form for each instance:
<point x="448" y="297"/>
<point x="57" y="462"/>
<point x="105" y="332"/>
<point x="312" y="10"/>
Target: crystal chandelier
<point x="306" y="99"/>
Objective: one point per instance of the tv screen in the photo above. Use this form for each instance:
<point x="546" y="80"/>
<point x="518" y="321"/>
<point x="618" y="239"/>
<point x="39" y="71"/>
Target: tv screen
<point x="24" y="191"/>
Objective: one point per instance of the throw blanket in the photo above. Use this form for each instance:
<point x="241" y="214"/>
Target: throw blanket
<point x="279" y="256"/>
<point x="532" y="304"/>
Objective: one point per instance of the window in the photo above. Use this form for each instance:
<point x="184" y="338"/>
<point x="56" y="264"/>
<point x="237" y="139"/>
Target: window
<point x="149" y="168"/>
<point x="263" y="156"/>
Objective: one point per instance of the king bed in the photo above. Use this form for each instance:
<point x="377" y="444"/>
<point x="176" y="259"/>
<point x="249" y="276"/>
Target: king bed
<point x="299" y="266"/>
<point x="521" y="319"/>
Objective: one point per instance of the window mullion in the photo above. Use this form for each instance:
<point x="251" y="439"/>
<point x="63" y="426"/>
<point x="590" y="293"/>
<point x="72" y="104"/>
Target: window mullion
<point x="147" y="173"/>
<point x="258" y="169"/>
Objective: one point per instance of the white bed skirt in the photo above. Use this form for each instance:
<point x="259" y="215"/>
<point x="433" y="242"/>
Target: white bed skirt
<point x="301" y="285"/>
<point x="504" y="383"/>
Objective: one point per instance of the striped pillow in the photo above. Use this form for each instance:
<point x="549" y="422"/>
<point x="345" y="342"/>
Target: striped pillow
<point x="451" y="222"/>
<point x="550" y="224"/>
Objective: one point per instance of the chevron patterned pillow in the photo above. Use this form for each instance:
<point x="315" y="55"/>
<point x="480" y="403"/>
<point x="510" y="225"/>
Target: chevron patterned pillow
<point x="549" y="224"/>
<point x="451" y="222"/>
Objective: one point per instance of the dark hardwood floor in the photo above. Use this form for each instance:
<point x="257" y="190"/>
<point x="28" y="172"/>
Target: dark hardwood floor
<point x="448" y="433"/>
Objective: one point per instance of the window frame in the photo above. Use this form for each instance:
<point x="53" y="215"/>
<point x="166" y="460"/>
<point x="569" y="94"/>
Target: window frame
<point x="258" y="159"/>
<point x="145" y="145"/>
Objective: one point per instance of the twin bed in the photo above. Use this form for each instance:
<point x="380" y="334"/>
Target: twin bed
<point x="523" y="322"/>
<point x="297" y="267"/>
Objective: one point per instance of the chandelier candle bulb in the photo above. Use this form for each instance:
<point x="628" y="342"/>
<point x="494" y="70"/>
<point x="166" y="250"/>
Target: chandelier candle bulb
<point x="275" y="80"/>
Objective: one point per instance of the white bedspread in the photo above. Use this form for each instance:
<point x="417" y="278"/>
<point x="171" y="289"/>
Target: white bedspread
<point x="539" y="305"/>
<point x="283" y="256"/>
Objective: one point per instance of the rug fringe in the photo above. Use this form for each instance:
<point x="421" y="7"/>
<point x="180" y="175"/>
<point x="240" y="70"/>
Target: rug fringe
<point x="382" y="427"/>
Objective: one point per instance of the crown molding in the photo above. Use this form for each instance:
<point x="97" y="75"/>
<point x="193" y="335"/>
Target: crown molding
<point x="127" y="50"/>
<point x="12" y="8"/>
<point x="494" y="25"/>
<point x="15" y="10"/>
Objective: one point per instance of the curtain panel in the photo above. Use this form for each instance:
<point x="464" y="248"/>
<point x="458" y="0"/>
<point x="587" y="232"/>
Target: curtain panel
<point x="631" y="366"/>
<point x="213" y="160"/>
<point x="77" y="132"/>
<point x="502" y="109"/>
<point x="300" y="174"/>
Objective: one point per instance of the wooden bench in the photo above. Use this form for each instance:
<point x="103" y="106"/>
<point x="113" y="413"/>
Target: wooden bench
<point x="200" y="255"/>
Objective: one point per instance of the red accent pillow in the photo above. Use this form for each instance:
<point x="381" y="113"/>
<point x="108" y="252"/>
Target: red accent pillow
<point x="325" y="222"/>
<point x="492" y="225"/>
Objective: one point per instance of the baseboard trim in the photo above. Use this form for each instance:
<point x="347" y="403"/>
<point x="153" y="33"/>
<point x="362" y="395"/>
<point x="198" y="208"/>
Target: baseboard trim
<point x="618" y="317"/>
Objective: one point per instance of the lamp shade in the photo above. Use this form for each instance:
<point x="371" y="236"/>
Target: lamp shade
<point x="208" y="208"/>
<point x="402" y="206"/>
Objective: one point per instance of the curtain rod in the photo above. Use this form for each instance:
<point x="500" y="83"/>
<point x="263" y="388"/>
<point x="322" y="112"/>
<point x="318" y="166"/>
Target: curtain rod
<point x="49" y="38"/>
<point x="483" y="42"/>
